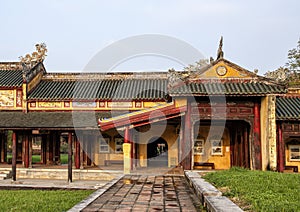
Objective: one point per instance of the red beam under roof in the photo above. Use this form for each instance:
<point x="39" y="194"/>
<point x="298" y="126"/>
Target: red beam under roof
<point x="143" y="117"/>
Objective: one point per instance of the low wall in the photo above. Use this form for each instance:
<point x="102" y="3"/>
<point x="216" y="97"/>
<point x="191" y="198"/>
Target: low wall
<point x="62" y="174"/>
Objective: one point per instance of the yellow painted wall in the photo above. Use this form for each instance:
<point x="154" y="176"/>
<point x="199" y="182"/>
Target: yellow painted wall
<point x="101" y="157"/>
<point x="264" y="132"/>
<point x="179" y="102"/>
<point x="220" y="161"/>
<point x="231" y="72"/>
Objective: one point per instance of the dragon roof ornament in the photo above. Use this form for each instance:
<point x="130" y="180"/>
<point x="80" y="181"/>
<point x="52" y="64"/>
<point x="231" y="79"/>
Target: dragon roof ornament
<point x="30" y="60"/>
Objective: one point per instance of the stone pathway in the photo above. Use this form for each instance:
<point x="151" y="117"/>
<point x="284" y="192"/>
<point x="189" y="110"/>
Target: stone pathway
<point x="148" y="193"/>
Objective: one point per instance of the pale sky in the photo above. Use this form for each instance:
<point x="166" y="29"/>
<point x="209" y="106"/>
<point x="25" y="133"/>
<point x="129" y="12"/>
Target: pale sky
<point x="257" y="34"/>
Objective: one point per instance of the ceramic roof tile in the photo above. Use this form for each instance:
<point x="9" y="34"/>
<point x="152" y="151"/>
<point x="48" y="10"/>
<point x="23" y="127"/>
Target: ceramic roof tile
<point x="11" y="78"/>
<point x="227" y="88"/>
<point x="288" y="108"/>
<point x="131" y="89"/>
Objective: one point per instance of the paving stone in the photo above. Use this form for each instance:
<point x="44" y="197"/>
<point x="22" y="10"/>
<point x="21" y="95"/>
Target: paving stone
<point x="147" y="193"/>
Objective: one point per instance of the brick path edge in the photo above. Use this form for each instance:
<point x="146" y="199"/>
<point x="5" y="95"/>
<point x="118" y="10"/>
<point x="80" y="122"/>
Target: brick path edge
<point x="210" y="197"/>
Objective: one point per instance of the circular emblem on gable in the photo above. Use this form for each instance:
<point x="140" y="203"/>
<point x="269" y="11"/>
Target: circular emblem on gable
<point x="221" y="70"/>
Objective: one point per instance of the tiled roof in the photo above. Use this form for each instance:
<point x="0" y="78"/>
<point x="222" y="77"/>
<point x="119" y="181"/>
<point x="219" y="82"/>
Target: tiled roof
<point x="288" y="108"/>
<point x="11" y="78"/>
<point x="145" y="89"/>
<point x="14" y="120"/>
<point x="140" y="118"/>
<point x="227" y="88"/>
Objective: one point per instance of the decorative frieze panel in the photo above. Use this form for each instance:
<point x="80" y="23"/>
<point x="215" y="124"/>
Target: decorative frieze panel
<point x="11" y="99"/>
<point x="19" y="98"/>
<point x="7" y="98"/>
<point x="84" y="105"/>
<point x="206" y="110"/>
<point x="49" y="104"/>
<point x="119" y="104"/>
<point x="291" y="127"/>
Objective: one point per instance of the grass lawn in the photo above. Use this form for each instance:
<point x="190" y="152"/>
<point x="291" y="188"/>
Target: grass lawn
<point x="63" y="158"/>
<point x="259" y="190"/>
<point x="37" y="158"/>
<point x="40" y="200"/>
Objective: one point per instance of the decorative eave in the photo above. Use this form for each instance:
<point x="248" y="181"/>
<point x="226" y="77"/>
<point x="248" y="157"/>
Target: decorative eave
<point x="140" y="118"/>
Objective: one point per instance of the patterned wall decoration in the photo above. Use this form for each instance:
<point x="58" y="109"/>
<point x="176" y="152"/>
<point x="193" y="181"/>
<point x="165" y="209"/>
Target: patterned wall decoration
<point x="49" y="104"/>
<point x="84" y="104"/>
<point x="6" y="98"/>
<point x="119" y="104"/>
<point x="19" y="98"/>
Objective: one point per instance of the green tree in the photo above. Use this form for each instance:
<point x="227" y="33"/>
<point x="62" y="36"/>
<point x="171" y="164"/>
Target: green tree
<point x="290" y="73"/>
<point x="293" y="63"/>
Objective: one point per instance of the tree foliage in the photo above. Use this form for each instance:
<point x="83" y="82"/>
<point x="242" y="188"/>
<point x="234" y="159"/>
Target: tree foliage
<point x="293" y="63"/>
<point x="290" y="73"/>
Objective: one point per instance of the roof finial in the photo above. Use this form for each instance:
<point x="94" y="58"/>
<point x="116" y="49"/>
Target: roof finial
<point x="36" y="57"/>
<point x="220" y="53"/>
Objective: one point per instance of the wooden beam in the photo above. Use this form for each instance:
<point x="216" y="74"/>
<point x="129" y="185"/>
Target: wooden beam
<point x="14" y="156"/>
<point x="69" y="157"/>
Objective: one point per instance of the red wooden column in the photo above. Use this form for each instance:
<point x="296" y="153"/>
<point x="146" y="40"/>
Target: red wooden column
<point x="14" y="156"/>
<point x="256" y="138"/>
<point x="3" y="147"/>
<point x="69" y="157"/>
<point x="81" y="159"/>
<point x="44" y="149"/>
<point x="280" y="149"/>
<point x="186" y="147"/>
<point x="77" y="153"/>
<point x="132" y="156"/>
<point x="26" y="150"/>
<point x="51" y="147"/>
<point x="2" y="158"/>
<point x="89" y="150"/>
<point x="56" y="147"/>
<point x="246" y="147"/>
<point x="30" y="150"/>
<point x="126" y="135"/>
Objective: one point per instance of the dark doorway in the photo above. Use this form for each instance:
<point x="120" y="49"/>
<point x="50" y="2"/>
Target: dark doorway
<point x="239" y="143"/>
<point x="157" y="152"/>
